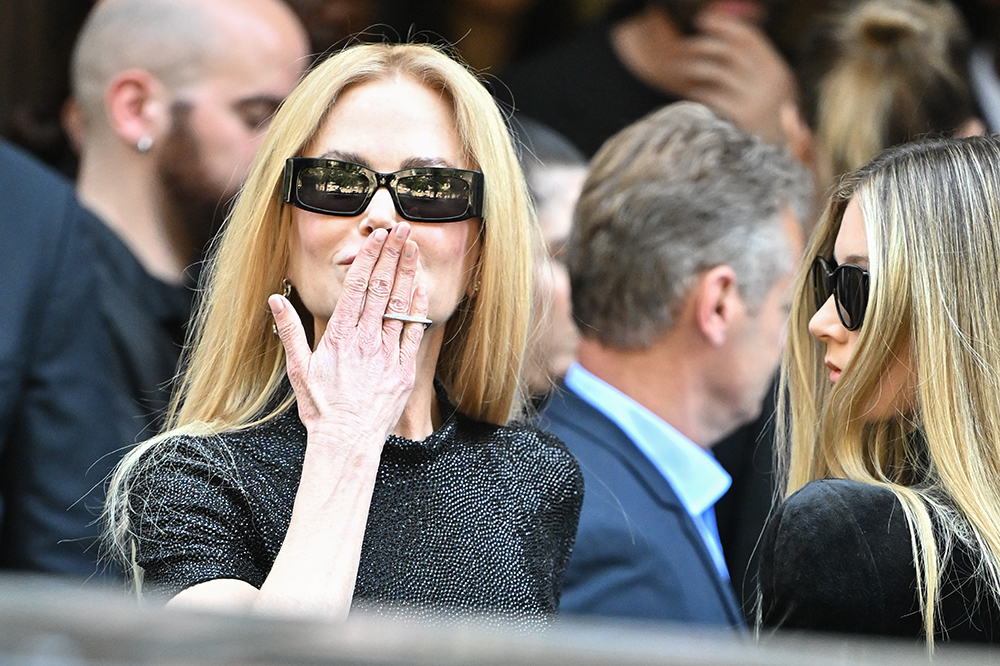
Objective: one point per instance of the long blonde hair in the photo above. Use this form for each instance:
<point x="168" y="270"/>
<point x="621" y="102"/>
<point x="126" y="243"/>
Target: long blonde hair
<point x="932" y="217"/>
<point x="235" y="367"/>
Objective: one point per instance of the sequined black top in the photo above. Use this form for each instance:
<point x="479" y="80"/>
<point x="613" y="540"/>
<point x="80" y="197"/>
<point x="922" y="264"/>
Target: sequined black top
<point x="476" y="517"/>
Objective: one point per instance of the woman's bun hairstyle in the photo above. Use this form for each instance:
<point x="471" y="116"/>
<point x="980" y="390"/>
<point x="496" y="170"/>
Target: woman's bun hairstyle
<point x="883" y="72"/>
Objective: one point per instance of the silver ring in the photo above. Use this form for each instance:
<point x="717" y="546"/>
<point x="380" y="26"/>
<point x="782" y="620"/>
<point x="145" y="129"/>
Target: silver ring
<point x="409" y="319"/>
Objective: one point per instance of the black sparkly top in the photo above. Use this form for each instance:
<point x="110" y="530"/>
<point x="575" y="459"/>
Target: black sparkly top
<point x="476" y="517"/>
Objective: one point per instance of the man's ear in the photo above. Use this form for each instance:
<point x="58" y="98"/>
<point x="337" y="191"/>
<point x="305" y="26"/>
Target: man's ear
<point x="137" y="105"/>
<point x="717" y="304"/>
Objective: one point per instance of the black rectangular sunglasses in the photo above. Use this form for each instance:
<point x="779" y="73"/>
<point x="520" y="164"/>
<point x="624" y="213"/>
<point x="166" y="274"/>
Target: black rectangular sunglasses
<point x="420" y="194"/>
<point x="849" y="286"/>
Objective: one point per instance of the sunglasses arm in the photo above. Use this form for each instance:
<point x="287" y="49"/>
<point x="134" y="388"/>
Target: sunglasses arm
<point x="286" y="183"/>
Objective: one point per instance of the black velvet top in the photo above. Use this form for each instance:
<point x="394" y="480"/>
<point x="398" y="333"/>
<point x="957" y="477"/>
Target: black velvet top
<point x="837" y="556"/>
<point x="476" y="517"/>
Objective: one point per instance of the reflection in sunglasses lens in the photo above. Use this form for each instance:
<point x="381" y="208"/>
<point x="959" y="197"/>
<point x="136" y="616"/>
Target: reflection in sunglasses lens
<point x="333" y="189"/>
<point x="432" y="196"/>
<point x="851" y="295"/>
<point x="821" y="281"/>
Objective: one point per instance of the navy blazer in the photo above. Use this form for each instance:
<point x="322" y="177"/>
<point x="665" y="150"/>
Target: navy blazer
<point x="638" y="553"/>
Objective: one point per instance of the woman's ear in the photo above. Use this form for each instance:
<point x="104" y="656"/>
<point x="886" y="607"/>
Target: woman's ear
<point x="138" y="107"/>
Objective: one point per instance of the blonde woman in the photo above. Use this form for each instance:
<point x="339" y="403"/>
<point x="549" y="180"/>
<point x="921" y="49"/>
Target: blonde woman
<point x="892" y="519"/>
<point x="361" y="451"/>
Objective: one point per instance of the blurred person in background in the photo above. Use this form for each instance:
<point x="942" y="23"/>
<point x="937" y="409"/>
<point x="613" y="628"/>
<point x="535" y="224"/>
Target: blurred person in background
<point x="171" y="98"/>
<point x="55" y="416"/>
<point x="36" y="40"/>
<point x="647" y="53"/>
<point x="880" y="73"/>
<point x="983" y="19"/>
<point x="487" y="34"/>
<point x="331" y="22"/>
<point x="554" y="170"/>
<point x="680" y="260"/>
<point x="641" y="55"/>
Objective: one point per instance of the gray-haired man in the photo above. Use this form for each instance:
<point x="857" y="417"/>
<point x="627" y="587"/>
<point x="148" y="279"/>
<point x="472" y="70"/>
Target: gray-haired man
<point x="680" y="259"/>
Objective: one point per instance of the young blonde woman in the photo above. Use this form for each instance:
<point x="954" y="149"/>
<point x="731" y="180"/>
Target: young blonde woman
<point x="892" y="519"/>
<point x="361" y="452"/>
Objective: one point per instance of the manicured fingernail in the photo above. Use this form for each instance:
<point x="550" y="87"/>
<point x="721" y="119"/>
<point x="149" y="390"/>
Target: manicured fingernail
<point x="402" y="231"/>
<point x="276" y="303"/>
<point x="409" y="249"/>
<point x="380" y="235"/>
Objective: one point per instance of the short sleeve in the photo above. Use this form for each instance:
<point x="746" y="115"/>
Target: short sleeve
<point x="836" y="556"/>
<point x="190" y="518"/>
<point x="561" y="501"/>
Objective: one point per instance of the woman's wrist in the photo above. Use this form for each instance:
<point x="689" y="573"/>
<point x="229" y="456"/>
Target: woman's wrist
<point x="340" y="449"/>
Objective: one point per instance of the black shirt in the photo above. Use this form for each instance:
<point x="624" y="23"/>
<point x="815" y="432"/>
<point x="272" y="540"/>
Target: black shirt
<point x="475" y="517"/>
<point x="146" y="320"/>
<point x="837" y="556"/>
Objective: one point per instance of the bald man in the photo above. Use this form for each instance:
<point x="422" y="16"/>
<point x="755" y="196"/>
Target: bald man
<point x="171" y="100"/>
<point x="174" y="97"/>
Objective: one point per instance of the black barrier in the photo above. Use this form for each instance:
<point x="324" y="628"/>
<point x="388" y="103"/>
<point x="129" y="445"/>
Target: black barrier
<point x="51" y="623"/>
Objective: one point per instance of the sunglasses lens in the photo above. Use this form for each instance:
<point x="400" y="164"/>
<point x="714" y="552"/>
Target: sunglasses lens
<point x="821" y="281"/>
<point x="333" y="189"/>
<point x="852" y="296"/>
<point x="432" y="196"/>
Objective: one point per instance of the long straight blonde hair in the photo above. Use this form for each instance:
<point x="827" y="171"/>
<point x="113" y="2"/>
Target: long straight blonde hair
<point x="932" y="217"/>
<point x="235" y="366"/>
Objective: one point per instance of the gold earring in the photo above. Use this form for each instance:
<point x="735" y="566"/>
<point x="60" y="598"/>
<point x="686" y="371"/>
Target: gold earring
<point x="286" y="291"/>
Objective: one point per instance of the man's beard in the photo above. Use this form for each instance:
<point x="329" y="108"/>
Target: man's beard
<point x="193" y="201"/>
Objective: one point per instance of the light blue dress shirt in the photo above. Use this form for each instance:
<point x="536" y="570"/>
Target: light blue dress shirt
<point x="693" y="473"/>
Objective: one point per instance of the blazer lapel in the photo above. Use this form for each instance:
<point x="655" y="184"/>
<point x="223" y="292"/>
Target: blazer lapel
<point x="576" y="413"/>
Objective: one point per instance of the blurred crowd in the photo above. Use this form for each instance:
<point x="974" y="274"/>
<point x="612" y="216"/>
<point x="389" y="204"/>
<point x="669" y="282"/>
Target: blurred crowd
<point x="491" y="36"/>
<point x="680" y="157"/>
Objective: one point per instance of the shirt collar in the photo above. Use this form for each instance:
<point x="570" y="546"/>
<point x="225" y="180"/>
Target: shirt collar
<point x="693" y="473"/>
